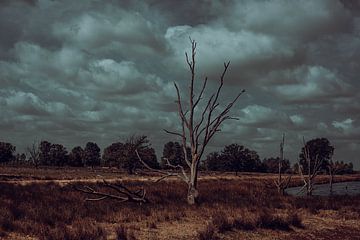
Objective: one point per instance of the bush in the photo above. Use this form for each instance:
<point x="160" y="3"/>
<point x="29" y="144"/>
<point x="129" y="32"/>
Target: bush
<point x="295" y="220"/>
<point x="123" y="234"/>
<point x="221" y="223"/>
<point x="209" y="233"/>
<point x="269" y="221"/>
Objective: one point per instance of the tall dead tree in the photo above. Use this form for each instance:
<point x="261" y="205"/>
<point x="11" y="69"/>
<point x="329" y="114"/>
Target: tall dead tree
<point x="198" y="126"/>
<point x="314" y="166"/>
<point x="282" y="183"/>
<point x="34" y="151"/>
<point x="333" y="169"/>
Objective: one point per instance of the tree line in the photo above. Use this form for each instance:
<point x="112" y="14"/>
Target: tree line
<point x="232" y="158"/>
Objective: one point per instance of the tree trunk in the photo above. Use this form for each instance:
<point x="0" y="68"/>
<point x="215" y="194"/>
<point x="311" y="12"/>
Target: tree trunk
<point x="193" y="193"/>
<point x="309" y="189"/>
<point x="331" y="183"/>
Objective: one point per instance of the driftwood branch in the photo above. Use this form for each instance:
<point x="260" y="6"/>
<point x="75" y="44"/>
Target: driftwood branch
<point x="122" y="193"/>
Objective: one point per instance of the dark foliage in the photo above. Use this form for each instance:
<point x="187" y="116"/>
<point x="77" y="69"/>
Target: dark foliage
<point x="174" y="152"/>
<point x="77" y="157"/>
<point x="92" y="154"/>
<point x="234" y="158"/>
<point x="7" y="151"/>
<point x="318" y="148"/>
<point x="113" y="154"/>
<point x="271" y="165"/>
<point x="52" y="154"/>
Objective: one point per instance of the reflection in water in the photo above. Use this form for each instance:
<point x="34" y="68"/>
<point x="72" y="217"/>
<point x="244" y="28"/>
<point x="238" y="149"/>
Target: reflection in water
<point x="343" y="188"/>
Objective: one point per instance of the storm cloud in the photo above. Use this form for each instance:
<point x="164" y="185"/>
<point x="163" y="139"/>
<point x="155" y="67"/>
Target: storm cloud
<point x="78" y="71"/>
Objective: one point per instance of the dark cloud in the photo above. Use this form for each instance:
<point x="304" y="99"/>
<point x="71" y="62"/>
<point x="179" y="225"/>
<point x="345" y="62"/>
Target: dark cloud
<point x="78" y="71"/>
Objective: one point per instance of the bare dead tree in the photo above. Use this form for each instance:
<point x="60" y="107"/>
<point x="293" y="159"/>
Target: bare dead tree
<point x="309" y="178"/>
<point x="34" y="151"/>
<point x="197" y="130"/>
<point x="282" y="183"/>
<point x="120" y="193"/>
<point x="333" y="169"/>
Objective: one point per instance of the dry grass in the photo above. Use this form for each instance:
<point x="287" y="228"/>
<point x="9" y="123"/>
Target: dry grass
<point x="230" y="208"/>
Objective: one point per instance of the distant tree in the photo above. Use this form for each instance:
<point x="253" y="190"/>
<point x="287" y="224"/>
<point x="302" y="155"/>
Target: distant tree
<point x="34" y="152"/>
<point x="58" y="155"/>
<point x="240" y="159"/>
<point x="296" y="168"/>
<point x="235" y="158"/>
<point x="314" y="158"/>
<point x="319" y="151"/>
<point x="252" y="161"/>
<point x="271" y="165"/>
<point x="92" y="154"/>
<point x="44" y="155"/>
<point x="113" y="154"/>
<point x="7" y="151"/>
<point x="149" y="156"/>
<point x="282" y="182"/>
<point x="213" y="162"/>
<point x="129" y="159"/>
<point x="52" y="154"/>
<point x="173" y="152"/>
<point x="20" y="158"/>
<point x="77" y="157"/>
<point x="23" y="157"/>
<point x="341" y="167"/>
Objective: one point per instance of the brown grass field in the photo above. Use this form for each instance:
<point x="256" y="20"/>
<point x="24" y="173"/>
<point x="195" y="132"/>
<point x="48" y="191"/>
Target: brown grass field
<point x="44" y="204"/>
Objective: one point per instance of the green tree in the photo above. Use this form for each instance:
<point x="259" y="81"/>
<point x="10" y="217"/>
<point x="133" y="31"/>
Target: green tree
<point x="44" y="155"/>
<point x="240" y="159"/>
<point x="92" y="154"/>
<point x="77" y="157"/>
<point x="271" y="165"/>
<point x="52" y="154"/>
<point x="213" y="162"/>
<point x="113" y="154"/>
<point x="58" y="155"/>
<point x="234" y="158"/>
<point x="129" y="159"/>
<point x="173" y="152"/>
<point x="319" y="150"/>
<point x="343" y="168"/>
<point x="7" y="151"/>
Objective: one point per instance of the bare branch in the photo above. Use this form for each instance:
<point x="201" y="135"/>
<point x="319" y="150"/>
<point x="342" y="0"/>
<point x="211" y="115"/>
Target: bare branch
<point x="173" y="133"/>
<point x="180" y="108"/>
<point x="201" y="93"/>
<point x="124" y="194"/>
<point x="167" y="174"/>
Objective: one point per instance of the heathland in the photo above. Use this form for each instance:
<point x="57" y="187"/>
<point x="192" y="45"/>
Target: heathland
<point x="44" y="203"/>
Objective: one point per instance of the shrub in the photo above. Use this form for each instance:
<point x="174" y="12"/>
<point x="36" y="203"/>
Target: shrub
<point x="209" y="233"/>
<point x="221" y="223"/>
<point x="267" y="220"/>
<point x="244" y="224"/>
<point x="123" y="234"/>
<point x="295" y="220"/>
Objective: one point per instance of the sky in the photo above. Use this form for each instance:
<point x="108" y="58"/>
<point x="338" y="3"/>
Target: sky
<point x="78" y="71"/>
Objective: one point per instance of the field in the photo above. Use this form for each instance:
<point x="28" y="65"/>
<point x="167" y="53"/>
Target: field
<point x="44" y="204"/>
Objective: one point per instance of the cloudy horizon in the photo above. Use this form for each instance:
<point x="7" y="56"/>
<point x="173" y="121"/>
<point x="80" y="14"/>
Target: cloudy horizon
<point x="78" y="71"/>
